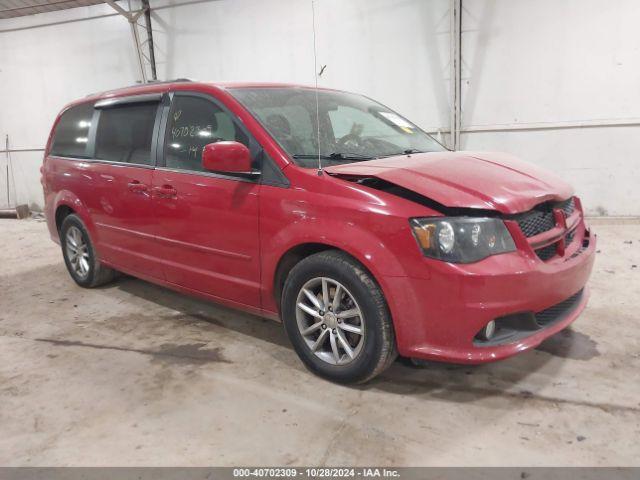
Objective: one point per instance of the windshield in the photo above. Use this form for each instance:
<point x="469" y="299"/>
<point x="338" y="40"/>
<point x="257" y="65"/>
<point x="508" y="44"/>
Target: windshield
<point x="352" y="127"/>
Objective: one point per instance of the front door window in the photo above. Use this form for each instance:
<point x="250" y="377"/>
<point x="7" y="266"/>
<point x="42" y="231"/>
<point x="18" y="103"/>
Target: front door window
<point x="193" y="123"/>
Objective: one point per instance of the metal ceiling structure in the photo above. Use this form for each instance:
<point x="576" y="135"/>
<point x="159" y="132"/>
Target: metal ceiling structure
<point x="142" y="34"/>
<point x="144" y="48"/>
<point x="21" y="8"/>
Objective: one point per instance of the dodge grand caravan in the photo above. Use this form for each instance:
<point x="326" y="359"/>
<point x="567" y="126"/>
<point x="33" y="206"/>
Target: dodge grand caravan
<point x="323" y="209"/>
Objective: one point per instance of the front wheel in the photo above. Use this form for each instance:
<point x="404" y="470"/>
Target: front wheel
<point x="337" y="318"/>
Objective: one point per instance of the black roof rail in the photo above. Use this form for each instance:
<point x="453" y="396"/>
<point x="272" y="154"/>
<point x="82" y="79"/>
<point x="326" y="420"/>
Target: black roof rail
<point x="150" y="82"/>
<point x="177" y="80"/>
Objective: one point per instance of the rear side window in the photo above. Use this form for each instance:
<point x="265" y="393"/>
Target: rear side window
<point x="124" y="133"/>
<point x="72" y="132"/>
<point x="193" y="123"/>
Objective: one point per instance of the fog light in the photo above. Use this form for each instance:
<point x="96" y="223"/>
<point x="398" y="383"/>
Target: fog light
<point x="488" y="331"/>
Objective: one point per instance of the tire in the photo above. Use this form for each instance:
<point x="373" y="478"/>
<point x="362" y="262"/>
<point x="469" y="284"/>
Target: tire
<point x="85" y="268"/>
<point x="372" y="350"/>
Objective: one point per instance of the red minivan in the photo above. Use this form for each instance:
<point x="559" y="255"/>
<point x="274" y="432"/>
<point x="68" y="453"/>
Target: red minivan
<point x="323" y="209"/>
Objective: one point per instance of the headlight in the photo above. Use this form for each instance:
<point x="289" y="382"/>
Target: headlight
<point x="462" y="239"/>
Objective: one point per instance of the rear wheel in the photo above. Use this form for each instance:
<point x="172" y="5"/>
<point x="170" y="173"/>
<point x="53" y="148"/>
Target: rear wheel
<point x="337" y="319"/>
<point x="79" y="255"/>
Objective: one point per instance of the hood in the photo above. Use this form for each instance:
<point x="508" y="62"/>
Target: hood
<point x="483" y="180"/>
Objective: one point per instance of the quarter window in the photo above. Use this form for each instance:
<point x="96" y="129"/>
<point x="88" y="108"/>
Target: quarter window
<point x="193" y="123"/>
<point x="72" y="132"/>
<point x="125" y="132"/>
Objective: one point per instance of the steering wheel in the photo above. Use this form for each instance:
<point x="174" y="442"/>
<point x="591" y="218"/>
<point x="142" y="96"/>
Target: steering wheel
<point x="350" y="142"/>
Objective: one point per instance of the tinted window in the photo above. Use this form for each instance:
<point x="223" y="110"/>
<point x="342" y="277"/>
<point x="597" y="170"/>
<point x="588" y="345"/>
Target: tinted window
<point x="72" y="132"/>
<point x="124" y="133"/>
<point x="193" y="123"/>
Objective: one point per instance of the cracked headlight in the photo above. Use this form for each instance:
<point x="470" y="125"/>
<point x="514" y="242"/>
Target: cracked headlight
<point x="461" y="239"/>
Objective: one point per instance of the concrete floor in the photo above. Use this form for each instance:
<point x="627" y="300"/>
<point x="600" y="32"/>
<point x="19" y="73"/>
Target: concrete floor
<point x="134" y="374"/>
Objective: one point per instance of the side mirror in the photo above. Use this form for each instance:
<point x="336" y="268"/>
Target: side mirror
<point x="227" y="157"/>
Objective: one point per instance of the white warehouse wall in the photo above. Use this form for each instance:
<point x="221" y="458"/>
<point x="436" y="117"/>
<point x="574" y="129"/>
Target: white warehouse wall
<point x="549" y="61"/>
<point x="523" y="62"/>
<point x="81" y="51"/>
<point x="396" y="51"/>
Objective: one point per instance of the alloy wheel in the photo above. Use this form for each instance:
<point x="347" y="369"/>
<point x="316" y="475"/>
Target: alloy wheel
<point x="77" y="251"/>
<point x="330" y="321"/>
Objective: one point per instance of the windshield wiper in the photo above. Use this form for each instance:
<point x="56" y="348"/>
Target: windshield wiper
<point x="408" y="151"/>
<point x="335" y="156"/>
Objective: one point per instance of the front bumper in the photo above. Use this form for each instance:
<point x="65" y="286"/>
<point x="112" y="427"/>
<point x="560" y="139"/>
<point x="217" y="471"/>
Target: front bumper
<point x="438" y="317"/>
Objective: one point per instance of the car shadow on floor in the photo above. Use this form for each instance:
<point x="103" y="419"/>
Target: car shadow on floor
<point x="464" y="382"/>
<point x="467" y="383"/>
<point x="459" y="383"/>
<point x="195" y="309"/>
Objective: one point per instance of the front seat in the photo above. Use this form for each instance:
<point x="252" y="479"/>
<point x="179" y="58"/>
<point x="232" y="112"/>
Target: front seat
<point x="280" y="128"/>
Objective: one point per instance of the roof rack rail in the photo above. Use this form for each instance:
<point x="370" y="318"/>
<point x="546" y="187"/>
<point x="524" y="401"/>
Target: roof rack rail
<point x="149" y="82"/>
<point x="168" y="81"/>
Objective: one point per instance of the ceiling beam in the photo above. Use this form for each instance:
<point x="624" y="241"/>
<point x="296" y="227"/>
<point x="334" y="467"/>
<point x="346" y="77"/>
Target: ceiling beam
<point x="21" y="8"/>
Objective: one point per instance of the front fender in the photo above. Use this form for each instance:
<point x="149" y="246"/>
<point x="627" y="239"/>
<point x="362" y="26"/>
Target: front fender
<point x="368" y="248"/>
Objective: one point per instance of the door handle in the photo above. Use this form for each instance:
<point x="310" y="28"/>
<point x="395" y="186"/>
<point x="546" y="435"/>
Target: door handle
<point x="136" y="187"/>
<point x="165" y="191"/>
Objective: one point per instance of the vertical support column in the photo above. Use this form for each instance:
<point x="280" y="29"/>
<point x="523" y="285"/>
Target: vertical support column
<point x="6" y="145"/>
<point x="136" y="42"/>
<point x="152" y="53"/>
<point x="132" y="18"/>
<point x="455" y="56"/>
